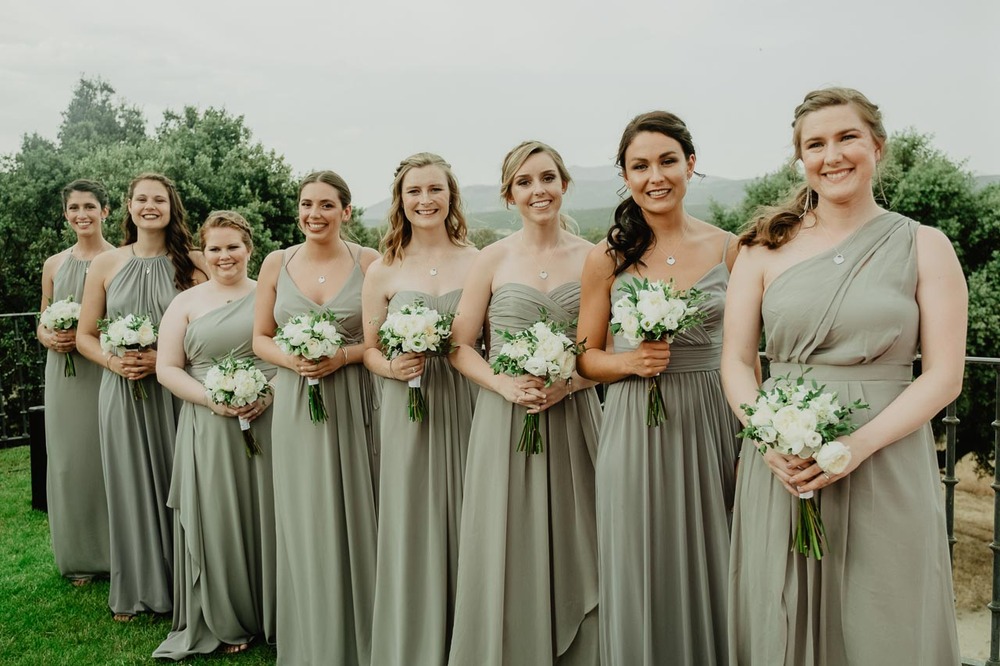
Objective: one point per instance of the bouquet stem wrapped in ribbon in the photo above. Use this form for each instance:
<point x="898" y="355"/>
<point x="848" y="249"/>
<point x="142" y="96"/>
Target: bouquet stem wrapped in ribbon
<point x="655" y="311"/>
<point x="128" y="332"/>
<point x="803" y="419"/>
<point x="236" y="383"/>
<point x="542" y="350"/>
<point x="62" y="316"/>
<point x="415" y="328"/>
<point x="311" y="335"/>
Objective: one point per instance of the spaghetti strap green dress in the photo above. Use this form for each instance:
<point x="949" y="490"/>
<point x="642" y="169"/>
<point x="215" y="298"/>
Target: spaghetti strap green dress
<point x="137" y="450"/>
<point x="325" y="490"/>
<point x="77" y="500"/>
<point x="420" y="507"/>
<point x="664" y="497"/>
<point x="224" y="585"/>
<point x="882" y="592"/>
<point x="527" y="568"/>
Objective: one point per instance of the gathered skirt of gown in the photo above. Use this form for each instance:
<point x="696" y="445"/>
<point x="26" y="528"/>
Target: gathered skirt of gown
<point x="882" y="592"/>
<point x="224" y="577"/>
<point x="325" y="490"/>
<point x="137" y="452"/>
<point x="74" y="482"/>
<point x="527" y="569"/>
<point x="664" y="496"/>
<point x="420" y="508"/>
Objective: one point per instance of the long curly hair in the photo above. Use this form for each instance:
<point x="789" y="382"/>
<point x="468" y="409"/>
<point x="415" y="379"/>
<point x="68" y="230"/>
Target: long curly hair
<point x="773" y="226"/>
<point x="630" y="236"/>
<point x="400" y="231"/>
<point x="178" y="237"/>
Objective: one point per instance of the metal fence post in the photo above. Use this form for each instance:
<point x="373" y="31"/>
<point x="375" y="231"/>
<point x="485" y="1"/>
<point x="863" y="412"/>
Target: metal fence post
<point x="39" y="458"/>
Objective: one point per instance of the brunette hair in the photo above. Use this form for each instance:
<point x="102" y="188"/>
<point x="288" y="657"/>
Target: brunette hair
<point x="400" y="231"/>
<point x="516" y="158"/>
<point x="227" y="219"/>
<point x="83" y="185"/>
<point x="332" y="179"/>
<point x="179" y="243"/>
<point x="630" y="236"/>
<point x="773" y="226"/>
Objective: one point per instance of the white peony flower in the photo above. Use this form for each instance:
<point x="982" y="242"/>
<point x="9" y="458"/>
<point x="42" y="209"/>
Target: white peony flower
<point x="833" y="457"/>
<point x="537" y="366"/>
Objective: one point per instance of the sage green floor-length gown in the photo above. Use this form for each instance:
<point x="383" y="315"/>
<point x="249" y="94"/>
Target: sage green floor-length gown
<point x="224" y="585"/>
<point x="137" y="450"/>
<point x="527" y="567"/>
<point x="325" y="487"/>
<point x="77" y="500"/>
<point x="664" y="496"/>
<point x="882" y="592"/>
<point x="420" y="507"/>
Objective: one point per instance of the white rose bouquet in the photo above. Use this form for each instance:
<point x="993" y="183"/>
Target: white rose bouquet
<point x="128" y="332"/>
<point x="803" y="419"/>
<point x="542" y="350"/>
<point x="655" y="311"/>
<point x="236" y="383"/>
<point x="415" y="328"/>
<point x="62" y="316"/>
<point x="311" y="335"/>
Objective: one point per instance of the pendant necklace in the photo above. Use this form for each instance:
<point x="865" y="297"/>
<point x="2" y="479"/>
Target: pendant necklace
<point x="838" y="258"/>
<point x="671" y="259"/>
<point x="542" y="273"/>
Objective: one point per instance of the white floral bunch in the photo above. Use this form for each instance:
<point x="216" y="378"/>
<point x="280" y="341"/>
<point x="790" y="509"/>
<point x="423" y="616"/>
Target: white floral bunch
<point x="655" y="311"/>
<point x="62" y="316"/>
<point x="128" y="332"/>
<point x="311" y="335"/>
<point x="415" y="328"/>
<point x="805" y="420"/>
<point x="236" y="383"/>
<point x="542" y="350"/>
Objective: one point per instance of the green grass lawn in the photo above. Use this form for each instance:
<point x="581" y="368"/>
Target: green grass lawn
<point x="44" y="619"/>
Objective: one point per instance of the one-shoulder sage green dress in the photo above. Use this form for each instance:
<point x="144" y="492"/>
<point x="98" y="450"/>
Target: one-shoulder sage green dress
<point x="77" y="501"/>
<point x="137" y="450"/>
<point x="420" y="507"/>
<point x="664" y="496"/>
<point x="224" y="585"/>
<point x="882" y="594"/>
<point x="325" y="487"/>
<point x="527" y="568"/>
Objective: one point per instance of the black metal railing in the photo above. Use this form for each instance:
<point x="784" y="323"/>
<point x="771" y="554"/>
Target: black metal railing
<point x="22" y="372"/>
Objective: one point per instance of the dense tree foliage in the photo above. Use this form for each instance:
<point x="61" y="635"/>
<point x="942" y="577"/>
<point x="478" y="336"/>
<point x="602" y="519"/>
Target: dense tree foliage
<point x="921" y="182"/>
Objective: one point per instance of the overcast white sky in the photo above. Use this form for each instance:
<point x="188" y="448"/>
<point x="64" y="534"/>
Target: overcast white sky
<point x="357" y="85"/>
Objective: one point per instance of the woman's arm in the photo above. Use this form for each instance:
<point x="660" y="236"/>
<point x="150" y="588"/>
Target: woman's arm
<point x="943" y="298"/>
<point x="375" y="304"/>
<point x="59" y="341"/>
<point x="469" y="319"/>
<point x="88" y="340"/>
<point x="264" y="326"/>
<point x="596" y="363"/>
<point x="171" y="360"/>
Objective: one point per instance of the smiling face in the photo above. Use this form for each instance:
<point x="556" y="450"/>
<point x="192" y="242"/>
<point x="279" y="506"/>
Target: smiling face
<point x="226" y="254"/>
<point x="321" y="212"/>
<point x="426" y="197"/>
<point x="656" y="172"/>
<point x="150" y="205"/>
<point x="537" y="189"/>
<point x="84" y="213"/>
<point x="839" y="154"/>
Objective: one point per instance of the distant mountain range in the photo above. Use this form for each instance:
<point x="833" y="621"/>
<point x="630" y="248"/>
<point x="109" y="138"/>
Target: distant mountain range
<point x="591" y="199"/>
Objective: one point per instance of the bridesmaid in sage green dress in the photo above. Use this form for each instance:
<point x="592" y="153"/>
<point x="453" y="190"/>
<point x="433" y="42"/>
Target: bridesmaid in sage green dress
<point x="137" y="436"/>
<point x="527" y="569"/>
<point x="224" y="586"/>
<point x="325" y="474"/>
<point x="848" y="292"/>
<point x="77" y="503"/>
<point x="664" y="493"/>
<point x="425" y="259"/>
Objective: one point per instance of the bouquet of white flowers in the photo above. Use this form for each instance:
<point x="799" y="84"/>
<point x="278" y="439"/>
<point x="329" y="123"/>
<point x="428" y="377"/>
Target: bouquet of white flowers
<point x="796" y="418"/>
<point x="236" y="383"/>
<point x="415" y="328"/>
<point x="542" y="350"/>
<point x="655" y="311"/>
<point x="128" y="332"/>
<point x="62" y="316"/>
<point x="311" y="335"/>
